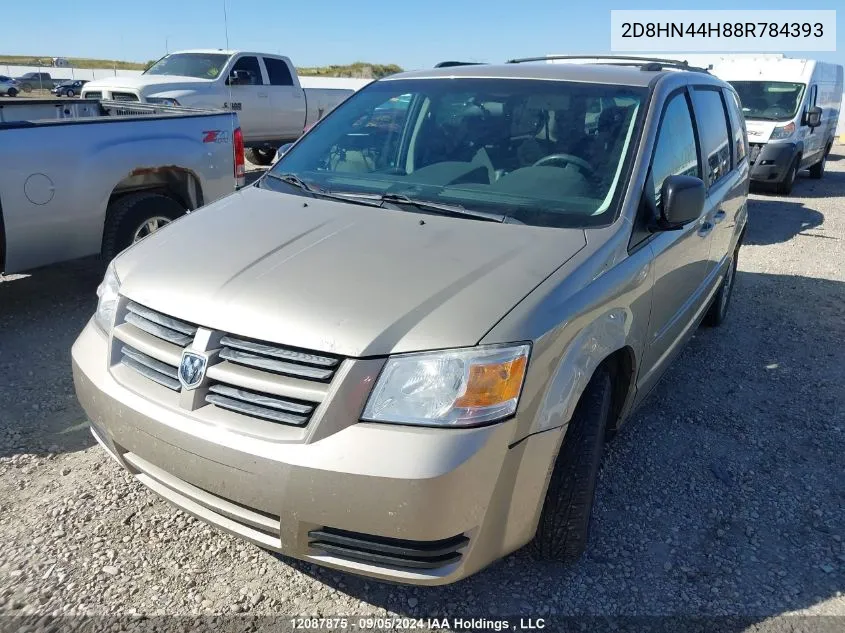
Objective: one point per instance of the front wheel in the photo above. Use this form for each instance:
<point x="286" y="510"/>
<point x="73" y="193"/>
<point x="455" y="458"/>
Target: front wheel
<point x="261" y="155"/>
<point x="817" y="170"/>
<point x="135" y="216"/>
<point x="564" y="526"/>
<point x="784" y="187"/>
<point x="26" y="87"/>
<point x="70" y="93"/>
<point x="12" y="92"/>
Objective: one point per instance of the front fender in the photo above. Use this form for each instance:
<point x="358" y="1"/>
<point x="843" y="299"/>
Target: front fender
<point x="587" y="350"/>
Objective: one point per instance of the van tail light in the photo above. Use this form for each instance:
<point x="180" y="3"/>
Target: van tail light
<point x="240" y="164"/>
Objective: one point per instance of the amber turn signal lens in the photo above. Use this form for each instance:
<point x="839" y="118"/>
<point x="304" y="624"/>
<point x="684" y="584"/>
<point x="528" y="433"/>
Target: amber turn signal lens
<point x="493" y="383"/>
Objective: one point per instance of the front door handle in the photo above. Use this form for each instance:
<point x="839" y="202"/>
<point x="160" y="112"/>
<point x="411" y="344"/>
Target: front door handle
<point x="719" y="216"/>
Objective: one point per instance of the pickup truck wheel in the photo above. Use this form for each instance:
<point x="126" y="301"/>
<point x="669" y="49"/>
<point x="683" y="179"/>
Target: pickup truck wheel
<point x="26" y="88"/>
<point x="718" y="311"/>
<point x="260" y="155"/>
<point x="133" y="217"/>
<point x="564" y="526"/>
<point x="817" y="170"/>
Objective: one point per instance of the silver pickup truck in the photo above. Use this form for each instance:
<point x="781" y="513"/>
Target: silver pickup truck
<point x="82" y="178"/>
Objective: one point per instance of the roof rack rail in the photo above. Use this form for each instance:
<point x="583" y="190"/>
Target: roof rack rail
<point x="450" y="64"/>
<point x="645" y="63"/>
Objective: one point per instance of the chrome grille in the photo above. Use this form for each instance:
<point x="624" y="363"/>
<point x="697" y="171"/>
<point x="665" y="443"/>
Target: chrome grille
<point x="754" y="153"/>
<point x="94" y="94"/>
<point x="159" y="325"/>
<point x="281" y="360"/>
<point x="124" y="96"/>
<point x="256" y="379"/>
<point x="146" y="365"/>
<point x="260" y="405"/>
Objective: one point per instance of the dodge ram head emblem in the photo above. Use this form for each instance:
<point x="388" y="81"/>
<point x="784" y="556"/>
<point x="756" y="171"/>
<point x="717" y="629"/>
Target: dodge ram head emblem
<point x="192" y="369"/>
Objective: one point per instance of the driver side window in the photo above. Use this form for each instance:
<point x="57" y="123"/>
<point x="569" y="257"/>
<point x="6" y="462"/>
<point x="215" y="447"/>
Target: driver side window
<point x="676" y="152"/>
<point x="252" y="71"/>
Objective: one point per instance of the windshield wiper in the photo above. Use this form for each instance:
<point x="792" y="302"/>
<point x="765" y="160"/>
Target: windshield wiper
<point x="454" y="210"/>
<point x="296" y="181"/>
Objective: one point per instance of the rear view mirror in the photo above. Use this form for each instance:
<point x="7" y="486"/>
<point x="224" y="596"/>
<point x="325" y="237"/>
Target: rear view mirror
<point x="813" y="117"/>
<point x="681" y="202"/>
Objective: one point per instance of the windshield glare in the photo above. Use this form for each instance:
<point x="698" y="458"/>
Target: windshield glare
<point x="547" y="153"/>
<point x="198" y="65"/>
<point x="769" y="100"/>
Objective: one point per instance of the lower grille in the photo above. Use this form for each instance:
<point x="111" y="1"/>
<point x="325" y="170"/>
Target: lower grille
<point x="123" y="96"/>
<point x="391" y="552"/>
<point x="94" y="95"/>
<point x="260" y="405"/>
<point x="146" y="365"/>
<point x="754" y="152"/>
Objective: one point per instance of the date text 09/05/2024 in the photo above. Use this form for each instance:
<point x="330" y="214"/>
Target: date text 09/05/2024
<point x="410" y="624"/>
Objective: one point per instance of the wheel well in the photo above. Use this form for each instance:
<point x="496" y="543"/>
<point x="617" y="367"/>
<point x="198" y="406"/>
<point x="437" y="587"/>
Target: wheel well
<point x="621" y="364"/>
<point x="178" y="183"/>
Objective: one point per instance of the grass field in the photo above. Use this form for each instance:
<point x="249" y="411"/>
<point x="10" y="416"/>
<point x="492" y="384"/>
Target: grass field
<point x="76" y="62"/>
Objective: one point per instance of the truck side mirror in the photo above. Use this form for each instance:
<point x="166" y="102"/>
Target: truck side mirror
<point x="813" y="118"/>
<point x="681" y="202"/>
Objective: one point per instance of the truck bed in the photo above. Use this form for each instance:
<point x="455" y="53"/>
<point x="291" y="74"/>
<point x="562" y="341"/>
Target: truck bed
<point x="69" y="161"/>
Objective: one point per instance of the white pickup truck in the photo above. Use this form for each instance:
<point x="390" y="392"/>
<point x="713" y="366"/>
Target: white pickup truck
<point x="273" y="106"/>
<point x="81" y="177"/>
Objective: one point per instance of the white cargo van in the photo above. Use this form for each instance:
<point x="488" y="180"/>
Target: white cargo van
<point x="791" y="109"/>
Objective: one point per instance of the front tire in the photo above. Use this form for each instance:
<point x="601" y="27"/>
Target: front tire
<point x="26" y="88"/>
<point x="564" y="526"/>
<point x="784" y="187"/>
<point x="817" y="170"/>
<point x="131" y="218"/>
<point x="70" y="93"/>
<point x="12" y="92"/>
<point x="260" y="155"/>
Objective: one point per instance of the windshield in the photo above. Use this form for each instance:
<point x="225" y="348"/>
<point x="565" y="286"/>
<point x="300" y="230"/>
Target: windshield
<point x="769" y="100"/>
<point x="199" y="65"/>
<point x="547" y="153"/>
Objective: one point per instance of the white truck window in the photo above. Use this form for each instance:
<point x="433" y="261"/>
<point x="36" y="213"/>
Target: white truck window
<point x="278" y="72"/>
<point x="248" y="71"/>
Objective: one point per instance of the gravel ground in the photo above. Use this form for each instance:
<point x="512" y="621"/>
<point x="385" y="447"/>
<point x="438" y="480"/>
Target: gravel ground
<point x="724" y="495"/>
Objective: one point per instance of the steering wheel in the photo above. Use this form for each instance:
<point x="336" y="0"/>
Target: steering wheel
<point x="566" y="159"/>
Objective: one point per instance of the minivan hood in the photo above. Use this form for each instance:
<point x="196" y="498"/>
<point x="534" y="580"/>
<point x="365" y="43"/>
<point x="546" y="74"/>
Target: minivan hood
<point x="337" y="277"/>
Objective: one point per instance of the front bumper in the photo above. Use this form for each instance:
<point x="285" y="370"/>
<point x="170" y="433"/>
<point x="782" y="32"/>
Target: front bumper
<point x="464" y="489"/>
<point x="772" y="161"/>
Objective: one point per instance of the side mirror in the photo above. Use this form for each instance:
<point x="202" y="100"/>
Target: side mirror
<point x="813" y="117"/>
<point x="681" y="202"/>
<point x="282" y="151"/>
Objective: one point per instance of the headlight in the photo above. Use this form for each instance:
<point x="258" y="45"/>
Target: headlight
<point x="782" y="131"/>
<point x="463" y="387"/>
<point x="107" y="293"/>
<point x="162" y="101"/>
